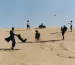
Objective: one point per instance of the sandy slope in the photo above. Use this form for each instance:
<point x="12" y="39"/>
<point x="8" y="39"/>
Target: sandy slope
<point x="51" y="51"/>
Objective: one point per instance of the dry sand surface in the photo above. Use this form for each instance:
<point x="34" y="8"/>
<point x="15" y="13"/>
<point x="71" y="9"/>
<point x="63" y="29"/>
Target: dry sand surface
<point x="50" y="51"/>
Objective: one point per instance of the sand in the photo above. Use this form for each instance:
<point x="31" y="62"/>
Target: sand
<point x="51" y="51"/>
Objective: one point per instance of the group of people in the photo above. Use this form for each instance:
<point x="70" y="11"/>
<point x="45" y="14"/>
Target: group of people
<point x="64" y="29"/>
<point x="40" y="26"/>
<point x="12" y="37"/>
<point x="37" y="34"/>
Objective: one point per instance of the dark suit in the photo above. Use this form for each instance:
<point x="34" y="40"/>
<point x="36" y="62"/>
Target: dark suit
<point x="12" y="38"/>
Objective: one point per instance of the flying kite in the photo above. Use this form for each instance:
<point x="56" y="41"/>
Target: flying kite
<point x="55" y="15"/>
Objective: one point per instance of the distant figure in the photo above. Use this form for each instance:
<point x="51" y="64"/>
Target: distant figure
<point x="20" y="38"/>
<point x="28" y="25"/>
<point x="42" y="26"/>
<point x="37" y="35"/>
<point x="63" y="30"/>
<point x="70" y="25"/>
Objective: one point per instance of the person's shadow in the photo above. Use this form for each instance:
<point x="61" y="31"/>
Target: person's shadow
<point x="50" y="41"/>
<point x="55" y="33"/>
<point x="8" y="49"/>
<point x="42" y="41"/>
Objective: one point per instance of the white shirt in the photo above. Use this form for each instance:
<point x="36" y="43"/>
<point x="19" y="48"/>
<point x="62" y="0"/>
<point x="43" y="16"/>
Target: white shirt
<point x="70" y="23"/>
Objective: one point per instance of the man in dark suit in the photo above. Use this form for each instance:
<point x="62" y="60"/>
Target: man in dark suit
<point x="12" y="38"/>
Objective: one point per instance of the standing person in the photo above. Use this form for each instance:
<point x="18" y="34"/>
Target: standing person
<point x="12" y="38"/>
<point x="63" y="30"/>
<point x="37" y="35"/>
<point x="28" y="25"/>
<point x="70" y="25"/>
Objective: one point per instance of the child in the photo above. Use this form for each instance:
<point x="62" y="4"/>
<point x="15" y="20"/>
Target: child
<point x="28" y="26"/>
<point x="70" y="25"/>
<point x="37" y="35"/>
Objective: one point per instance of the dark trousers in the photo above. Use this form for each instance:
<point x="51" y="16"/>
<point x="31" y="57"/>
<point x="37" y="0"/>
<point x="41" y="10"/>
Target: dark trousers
<point x="71" y="27"/>
<point x="63" y="32"/>
<point x="13" y="42"/>
<point x="28" y="26"/>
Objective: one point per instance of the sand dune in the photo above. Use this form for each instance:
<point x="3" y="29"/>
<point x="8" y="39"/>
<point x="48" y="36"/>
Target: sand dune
<point x="50" y="51"/>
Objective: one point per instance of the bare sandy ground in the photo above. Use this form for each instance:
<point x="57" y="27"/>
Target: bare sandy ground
<point x="51" y="51"/>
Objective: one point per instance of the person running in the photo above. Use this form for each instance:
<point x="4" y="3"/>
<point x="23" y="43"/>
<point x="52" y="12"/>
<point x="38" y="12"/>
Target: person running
<point x="28" y="25"/>
<point x="12" y="38"/>
<point x="70" y="25"/>
<point x="63" y="30"/>
<point x="37" y="35"/>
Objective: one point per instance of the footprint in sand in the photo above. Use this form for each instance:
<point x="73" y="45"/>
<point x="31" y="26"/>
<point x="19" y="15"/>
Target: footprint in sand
<point x="64" y="49"/>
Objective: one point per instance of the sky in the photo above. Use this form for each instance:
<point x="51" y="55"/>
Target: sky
<point x="15" y="13"/>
